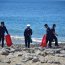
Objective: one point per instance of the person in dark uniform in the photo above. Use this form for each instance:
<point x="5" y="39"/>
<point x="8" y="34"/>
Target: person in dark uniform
<point x="48" y="33"/>
<point x="54" y="35"/>
<point x="3" y="29"/>
<point x="27" y="36"/>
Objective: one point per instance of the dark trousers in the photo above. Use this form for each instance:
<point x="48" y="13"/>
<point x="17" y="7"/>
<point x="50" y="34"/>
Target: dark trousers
<point x="50" y="41"/>
<point x="2" y="39"/>
<point x="27" y="42"/>
<point x="56" y="40"/>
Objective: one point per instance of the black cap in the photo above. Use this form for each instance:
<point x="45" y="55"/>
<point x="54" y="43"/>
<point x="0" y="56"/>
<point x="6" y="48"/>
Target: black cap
<point x="2" y="23"/>
<point x="54" y="24"/>
<point x="46" y="25"/>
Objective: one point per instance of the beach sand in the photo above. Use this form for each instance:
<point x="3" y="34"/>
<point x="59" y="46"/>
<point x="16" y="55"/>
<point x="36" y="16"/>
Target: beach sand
<point x="19" y="55"/>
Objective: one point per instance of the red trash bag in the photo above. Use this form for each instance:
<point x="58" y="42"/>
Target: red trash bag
<point x="8" y="40"/>
<point x="43" y="43"/>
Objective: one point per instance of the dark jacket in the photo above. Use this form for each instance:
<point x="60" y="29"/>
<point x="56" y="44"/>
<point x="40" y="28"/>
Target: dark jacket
<point x="28" y="32"/>
<point x="48" y="32"/>
<point x="53" y="31"/>
<point x="3" y="30"/>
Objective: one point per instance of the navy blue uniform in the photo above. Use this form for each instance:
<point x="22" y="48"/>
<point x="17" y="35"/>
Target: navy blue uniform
<point x="27" y="35"/>
<point x="54" y="37"/>
<point x="49" y="37"/>
<point x="2" y="33"/>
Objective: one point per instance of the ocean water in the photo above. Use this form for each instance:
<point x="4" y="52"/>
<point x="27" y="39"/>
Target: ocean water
<point x="17" y="15"/>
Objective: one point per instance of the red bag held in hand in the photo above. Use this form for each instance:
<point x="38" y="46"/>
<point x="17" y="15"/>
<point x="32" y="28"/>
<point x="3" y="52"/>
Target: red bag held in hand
<point x="43" y="43"/>
<point x="8" y="40"/>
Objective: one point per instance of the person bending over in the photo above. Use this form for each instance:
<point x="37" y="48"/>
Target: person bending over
<point x="48" y="33"/>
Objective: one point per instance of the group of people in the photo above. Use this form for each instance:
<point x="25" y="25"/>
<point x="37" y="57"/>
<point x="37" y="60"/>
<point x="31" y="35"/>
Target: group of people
<point x="27" y="34"/>
<point x="50" y="35"/>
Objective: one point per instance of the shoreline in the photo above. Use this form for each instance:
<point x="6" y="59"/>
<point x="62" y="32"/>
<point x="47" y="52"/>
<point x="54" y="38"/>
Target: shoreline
<point x="20" y="40"/>
<point x="35" y="38"/>
<point x="32" y="45"/>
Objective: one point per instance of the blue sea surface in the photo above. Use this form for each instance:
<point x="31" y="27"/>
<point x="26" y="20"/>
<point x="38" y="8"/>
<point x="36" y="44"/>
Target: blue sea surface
<point x="17" y="15"/>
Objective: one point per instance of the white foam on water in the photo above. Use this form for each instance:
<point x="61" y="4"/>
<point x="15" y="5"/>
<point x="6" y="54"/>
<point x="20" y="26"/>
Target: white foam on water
<point x="22" y="38"/>
<point x="37" y="40"/>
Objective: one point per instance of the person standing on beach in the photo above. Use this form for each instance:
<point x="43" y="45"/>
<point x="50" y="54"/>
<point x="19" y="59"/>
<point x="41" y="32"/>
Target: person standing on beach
<point x="27" y="36"/>
<point x="48" y="33"/>
<point x="54" y="35"/>
<point x="3" y="29"/>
